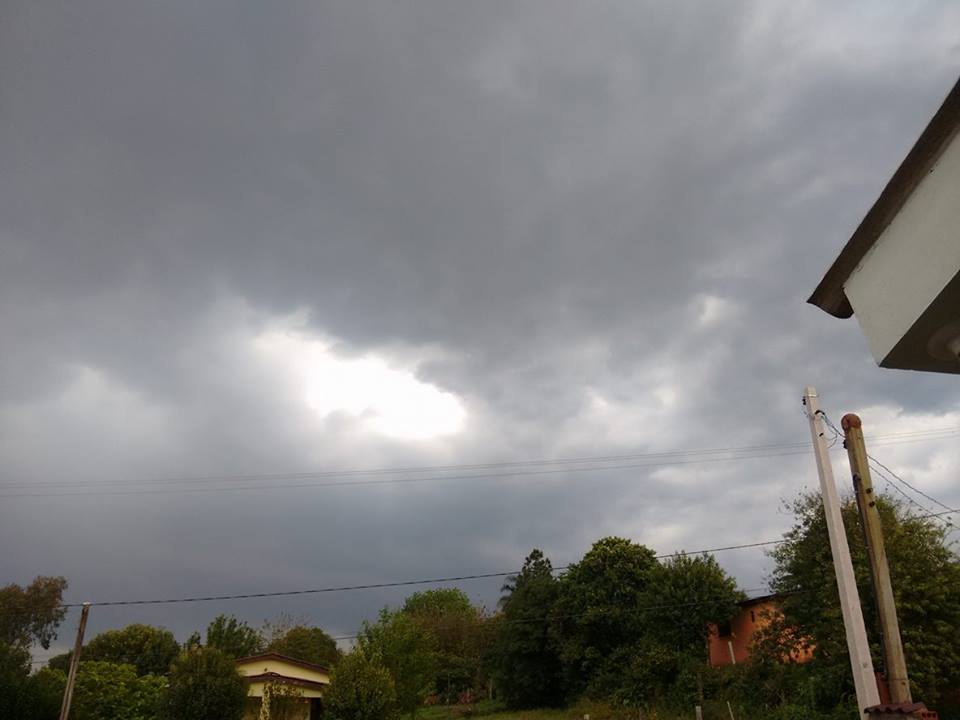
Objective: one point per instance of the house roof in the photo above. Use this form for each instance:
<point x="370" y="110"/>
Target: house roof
<point x="761" y="599"/>
<point x="282" y="658"/>
<point x="286" y="680"/>
<point x="829" y="295"/>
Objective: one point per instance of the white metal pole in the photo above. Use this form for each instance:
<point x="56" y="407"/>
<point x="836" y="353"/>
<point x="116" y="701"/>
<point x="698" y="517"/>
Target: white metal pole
<point x="861" y="663"/>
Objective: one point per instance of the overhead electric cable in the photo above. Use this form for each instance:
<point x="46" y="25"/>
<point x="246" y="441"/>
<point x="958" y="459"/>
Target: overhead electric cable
<point x="382" y="585"/>
<point x="567" y="465"/>
<point x="750" y="451"/>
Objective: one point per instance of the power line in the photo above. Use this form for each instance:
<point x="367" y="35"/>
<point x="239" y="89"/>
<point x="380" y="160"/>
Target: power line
<point x="382" y="585"/>
<point x="904" y="482"/>
<point x="658" y="458"/>
<point x="879" y="468"/>
<point x="570" y="465"/>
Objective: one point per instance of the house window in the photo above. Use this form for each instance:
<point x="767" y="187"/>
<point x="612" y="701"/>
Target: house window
<point x="753" y="618"/>
<point x="724" y="629"/>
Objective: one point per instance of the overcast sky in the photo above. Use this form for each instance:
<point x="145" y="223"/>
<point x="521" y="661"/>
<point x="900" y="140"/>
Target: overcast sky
<point x="247" y="238"/>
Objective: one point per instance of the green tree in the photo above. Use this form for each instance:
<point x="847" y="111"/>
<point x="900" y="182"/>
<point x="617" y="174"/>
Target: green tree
<point x="204" y="685"/>
<point x="150" y="650"/>
<point x="44" y="694"/>
<point x="406" y="650"/>
<point x="32" y="614"/>
<point x="926" y="582"/>
<point x="460" y="638"/>
<point x="526" y="661"/>
<point x="114" y="691"/>
<point x="14" y="673"/>
<point x="597" y="615"/>
<point x="309" y="644"/>
<point x="439" y="601"/>
<point x="361" y="688"/>
<point x="28" y="615"/>
<point x="233" y="637"/>
<point x="686" y="594"/>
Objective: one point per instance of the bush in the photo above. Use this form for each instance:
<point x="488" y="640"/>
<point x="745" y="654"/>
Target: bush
<point x="205" y="685"/>
<point x="361" y="688"/>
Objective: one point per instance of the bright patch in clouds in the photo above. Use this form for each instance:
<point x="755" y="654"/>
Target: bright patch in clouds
<point x="383" y="398"/>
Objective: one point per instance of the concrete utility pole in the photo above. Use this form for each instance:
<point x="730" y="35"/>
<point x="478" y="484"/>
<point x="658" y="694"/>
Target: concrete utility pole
<point x="74" y="663"/>
<point x="894" y="661"/>
<point x="861" y="663"/>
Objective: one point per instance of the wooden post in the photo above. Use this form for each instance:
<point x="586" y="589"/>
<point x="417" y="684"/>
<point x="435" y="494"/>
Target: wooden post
<point x="861" y="663"/>
<point x="74" y="663"/>
<point x="895" y="663"/>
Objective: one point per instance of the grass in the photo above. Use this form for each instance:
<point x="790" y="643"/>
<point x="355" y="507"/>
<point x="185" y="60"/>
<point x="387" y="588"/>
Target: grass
<point x="493" y="710"/>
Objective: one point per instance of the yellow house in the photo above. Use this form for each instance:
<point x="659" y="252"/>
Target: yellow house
<point x="298" y="685"/>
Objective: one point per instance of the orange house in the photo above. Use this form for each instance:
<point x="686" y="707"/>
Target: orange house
<point x="729" y="643"/>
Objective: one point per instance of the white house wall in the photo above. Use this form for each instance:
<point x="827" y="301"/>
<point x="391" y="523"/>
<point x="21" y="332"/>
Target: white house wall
<point x="913" y="259"/>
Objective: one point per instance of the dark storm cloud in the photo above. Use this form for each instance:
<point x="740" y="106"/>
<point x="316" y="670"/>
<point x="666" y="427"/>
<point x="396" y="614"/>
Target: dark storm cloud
<point x="596" y="226"/>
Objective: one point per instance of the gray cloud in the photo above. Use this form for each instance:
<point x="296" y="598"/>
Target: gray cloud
<point x="595" y="226"/>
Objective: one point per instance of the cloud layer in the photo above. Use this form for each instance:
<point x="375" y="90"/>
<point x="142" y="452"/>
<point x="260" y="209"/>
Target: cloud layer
<point x="245" y="239"/>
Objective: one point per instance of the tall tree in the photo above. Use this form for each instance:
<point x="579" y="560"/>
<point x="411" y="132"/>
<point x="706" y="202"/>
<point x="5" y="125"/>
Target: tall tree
<point x="926" y="583"/>
<point x="32" y="614"/>
<point x="233" y="637"/>
<point x="28" y="615"/>
<point x="150" y="650"/>
<point x="686" y="594"/>
<point x="460" y="638"/>
<point x="526" y="661"/>
<point x="406" y="650"/>
<point x="204" y="685"/>
<point x="597" y="616"/>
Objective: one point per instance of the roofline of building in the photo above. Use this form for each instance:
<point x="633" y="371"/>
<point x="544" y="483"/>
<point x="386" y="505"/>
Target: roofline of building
<point x="761" y="598"/>
<point x="829" y="295"/>
<point x="285" y="679"/>
<point x="283" y="658"/>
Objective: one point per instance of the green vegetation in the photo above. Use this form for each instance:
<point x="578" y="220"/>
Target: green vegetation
<point x="309" y="644"/>
<point x="233" y="637"/>
<point x="361" y="689"/>
<point x="618" y="633"/>
<point x="204" y="685"/>
<point x="406" y="650"/>
<point x="114" y="691"/>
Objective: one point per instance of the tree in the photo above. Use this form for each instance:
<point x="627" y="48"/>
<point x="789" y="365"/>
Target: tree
<point x="204" y="685"/>
<point x="686" y="594"/>
<point x="114" y="691"/>
<point x="32" y="614"/>
<point x="309" y="644"/>
<point x="526" y="661"/>
<point x="597" y="614"/>
<point x="44" y="694"/>
<point x="926" y="583"/>
<point x="233" y="637"/>
<point x="361" y="688"/>
<point x="460" y="641"/>
<point x="150" y="650"/>
<point x="28" y="615"/>
<point x="14" y="672"/>
<point x="440" y="601"/>
<point x="406" y="650"/>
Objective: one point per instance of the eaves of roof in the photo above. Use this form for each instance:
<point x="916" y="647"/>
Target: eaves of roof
<point x="829" y="295"/>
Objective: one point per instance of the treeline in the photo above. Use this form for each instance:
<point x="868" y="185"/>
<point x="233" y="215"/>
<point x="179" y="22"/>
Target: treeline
<point x="618" y="627"/>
